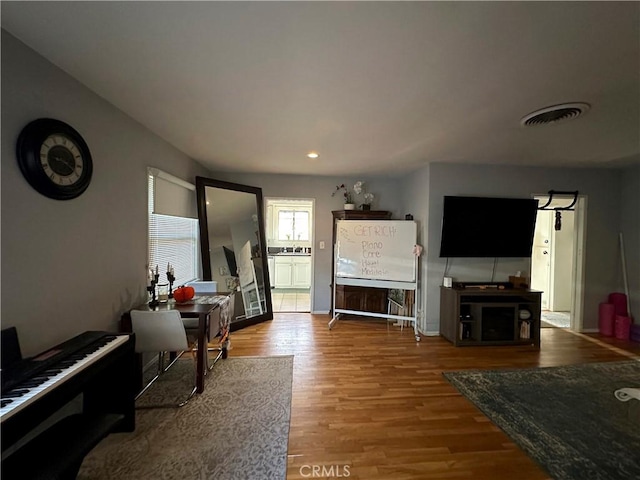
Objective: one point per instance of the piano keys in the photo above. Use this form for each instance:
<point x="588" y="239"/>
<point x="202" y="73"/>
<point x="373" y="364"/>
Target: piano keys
<point x="98" y="365"/>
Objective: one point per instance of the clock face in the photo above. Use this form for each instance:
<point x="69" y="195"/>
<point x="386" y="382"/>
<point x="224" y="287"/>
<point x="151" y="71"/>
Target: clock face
<point x="61" y="159"/>
<point x="54" y="159"/>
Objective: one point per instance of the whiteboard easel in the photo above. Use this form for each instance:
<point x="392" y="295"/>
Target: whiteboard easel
<point x="344" y="263"/>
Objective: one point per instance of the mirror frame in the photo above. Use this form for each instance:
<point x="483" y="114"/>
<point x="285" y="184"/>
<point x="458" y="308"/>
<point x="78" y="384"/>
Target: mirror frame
<point x="205" y="257"/>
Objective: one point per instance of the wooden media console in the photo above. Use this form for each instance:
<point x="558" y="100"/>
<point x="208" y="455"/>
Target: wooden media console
<point x="490" y="316"/>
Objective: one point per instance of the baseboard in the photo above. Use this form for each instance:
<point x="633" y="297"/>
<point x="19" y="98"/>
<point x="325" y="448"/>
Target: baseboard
<point x="589" y="330"/>
<point x="429" y="333"/>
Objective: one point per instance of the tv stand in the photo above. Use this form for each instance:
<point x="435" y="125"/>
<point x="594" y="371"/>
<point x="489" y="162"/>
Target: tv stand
<point x="492" y="316"/>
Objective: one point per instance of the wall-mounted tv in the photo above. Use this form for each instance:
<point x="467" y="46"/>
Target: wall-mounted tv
<point x="488" y="227"/>
<point x="231" y="261"/>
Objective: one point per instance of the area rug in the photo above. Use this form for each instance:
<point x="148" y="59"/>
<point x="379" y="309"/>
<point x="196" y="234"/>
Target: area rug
<point x="237" y="429"/>
<point x="578" y="422"/>
<point x="555" y="319"/>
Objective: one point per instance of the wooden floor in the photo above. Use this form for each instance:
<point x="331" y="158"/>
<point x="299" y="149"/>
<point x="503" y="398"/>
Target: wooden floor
<point x="371" y="404"/>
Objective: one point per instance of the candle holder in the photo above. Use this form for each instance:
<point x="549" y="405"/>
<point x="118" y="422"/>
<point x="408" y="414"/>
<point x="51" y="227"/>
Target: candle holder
<point x="171" y="279"/>
<point x="152" y="290"/>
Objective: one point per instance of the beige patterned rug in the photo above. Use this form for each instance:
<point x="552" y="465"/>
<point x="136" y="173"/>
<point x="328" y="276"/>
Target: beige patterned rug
<point x="237" y="429"/>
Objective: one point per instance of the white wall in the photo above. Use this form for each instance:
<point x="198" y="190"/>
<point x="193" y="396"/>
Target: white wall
<point x="76" y="265"/>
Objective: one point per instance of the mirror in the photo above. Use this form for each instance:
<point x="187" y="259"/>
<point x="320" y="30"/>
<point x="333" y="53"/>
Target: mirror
<point x="233" y="247"/>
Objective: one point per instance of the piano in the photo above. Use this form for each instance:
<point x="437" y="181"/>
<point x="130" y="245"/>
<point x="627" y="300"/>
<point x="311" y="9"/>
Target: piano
<point x="100" y="366"/>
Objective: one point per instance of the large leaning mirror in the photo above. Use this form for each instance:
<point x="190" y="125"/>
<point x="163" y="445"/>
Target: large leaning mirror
<point x="233" y="247"/>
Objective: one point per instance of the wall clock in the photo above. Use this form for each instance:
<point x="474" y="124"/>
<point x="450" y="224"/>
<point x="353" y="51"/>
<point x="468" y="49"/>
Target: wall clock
<point x="54" y="159"/>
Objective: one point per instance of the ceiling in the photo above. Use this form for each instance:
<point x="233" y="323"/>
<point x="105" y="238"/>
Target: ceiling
<point x="374" y="87"/>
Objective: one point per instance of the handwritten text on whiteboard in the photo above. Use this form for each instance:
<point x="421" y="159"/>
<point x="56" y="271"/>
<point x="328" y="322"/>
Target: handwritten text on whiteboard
<point x="370" y="265"/>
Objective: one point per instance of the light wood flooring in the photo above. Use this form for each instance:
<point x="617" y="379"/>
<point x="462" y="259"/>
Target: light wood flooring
<point x="368" y="404"/>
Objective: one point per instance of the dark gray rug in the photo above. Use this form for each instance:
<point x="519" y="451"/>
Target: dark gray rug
<point x="237" y="429"/>
<point x="569" y="419"/>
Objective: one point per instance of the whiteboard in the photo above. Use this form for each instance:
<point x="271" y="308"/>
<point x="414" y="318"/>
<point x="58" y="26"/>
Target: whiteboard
<point x="376" y="249"/>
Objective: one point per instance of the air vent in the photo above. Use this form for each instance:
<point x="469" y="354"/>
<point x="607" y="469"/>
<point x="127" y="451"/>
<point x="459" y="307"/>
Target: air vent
<point x="555" y="114"/>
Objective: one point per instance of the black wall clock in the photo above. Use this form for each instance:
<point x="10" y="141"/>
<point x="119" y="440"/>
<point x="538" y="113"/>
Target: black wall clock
<point x="54" y="159"/>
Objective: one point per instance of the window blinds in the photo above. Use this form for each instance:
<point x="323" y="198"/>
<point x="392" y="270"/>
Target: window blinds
<point x="172" y="239"/>
<point x="173" y="196"/>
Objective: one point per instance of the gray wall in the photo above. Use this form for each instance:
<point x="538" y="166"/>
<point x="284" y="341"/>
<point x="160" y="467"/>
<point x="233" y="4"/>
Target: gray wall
<point x="415" y="198"/>
<point x="76" y="265"/>
<point x="388" y="196"/>
<point x="630" y="228"/>
<point x="421" y="193"/>
<point x="600" y="186"/>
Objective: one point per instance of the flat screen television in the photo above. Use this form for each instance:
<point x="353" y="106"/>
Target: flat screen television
<point x="231" y="261"/>
<point x="488" y="227"/>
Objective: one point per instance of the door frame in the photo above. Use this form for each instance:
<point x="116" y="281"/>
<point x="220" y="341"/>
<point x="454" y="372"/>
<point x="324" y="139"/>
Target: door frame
<point x="312" y="201"/>
<point x="579" y="257"/>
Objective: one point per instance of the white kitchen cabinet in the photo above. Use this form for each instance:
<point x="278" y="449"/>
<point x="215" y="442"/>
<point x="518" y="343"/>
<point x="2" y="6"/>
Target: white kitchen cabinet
<point x="301" y="272"/>
<point x="283" y="272"/>
<point x="292" y="271"/>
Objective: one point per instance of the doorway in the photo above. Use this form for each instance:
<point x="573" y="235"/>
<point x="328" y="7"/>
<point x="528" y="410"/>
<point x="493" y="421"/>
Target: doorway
<point x="557" y="261"/>
<point x="290" y="253"/>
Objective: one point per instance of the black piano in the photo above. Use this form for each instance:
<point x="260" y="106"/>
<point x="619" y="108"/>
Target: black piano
<point x="101" y="367"/>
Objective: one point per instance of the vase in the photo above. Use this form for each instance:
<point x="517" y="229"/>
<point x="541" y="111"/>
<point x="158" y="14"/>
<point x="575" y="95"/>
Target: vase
<point x="349" y="206"/>
<point x="366" y="206"/>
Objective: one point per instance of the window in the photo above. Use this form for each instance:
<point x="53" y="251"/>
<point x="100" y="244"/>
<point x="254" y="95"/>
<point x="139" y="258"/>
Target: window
<point x="173" y="238"/>
<point x="293" y="225"/>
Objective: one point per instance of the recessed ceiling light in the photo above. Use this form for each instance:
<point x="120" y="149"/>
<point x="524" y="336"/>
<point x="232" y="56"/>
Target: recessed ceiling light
<point x="313" y="155"/>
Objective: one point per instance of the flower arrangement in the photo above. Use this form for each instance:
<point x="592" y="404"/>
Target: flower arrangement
<point x="348" y="197"/>
<point x="358" y="189"/>
<point x="368" y="197"/>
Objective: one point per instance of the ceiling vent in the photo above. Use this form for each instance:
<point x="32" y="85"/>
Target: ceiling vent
<point x="555" y="114"/>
